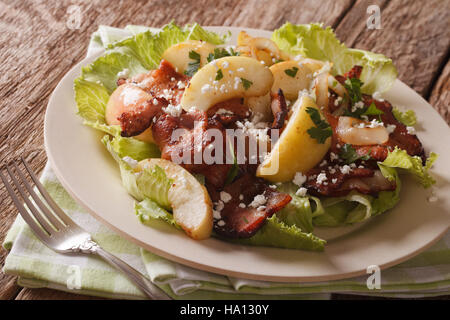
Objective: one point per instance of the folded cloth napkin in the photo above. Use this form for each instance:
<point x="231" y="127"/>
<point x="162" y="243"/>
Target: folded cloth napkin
<point x="428" y="274"/>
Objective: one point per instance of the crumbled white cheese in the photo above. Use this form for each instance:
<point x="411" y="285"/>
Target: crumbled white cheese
<point x="241" y="197"/>
<point x="321" y="178"/>
<point x="323" y="163"/>
<point x="181" y="85"/>
<point x="242" y="205"/>
<point x="219" y="205"/>
<point x="358" y="105"/>
<point x="258" y="201"/>
<point x="334" y="180"/>
<point x="225" y="196"/>
<point x="345" y="169"/>
<point x="240" y="69"/>
<point x="411" y="130"/>
<point x="337" y="101"/>
<point x="155" y="101"/>
<point x="333" y="156"/>
<point x="174" y="111"/>
<point x="301" y="192"/>
<point x="299" y="179"/>
<point x="216" y="215"/>
<point x="220" y="223"/>
<point x="172" y="79"/>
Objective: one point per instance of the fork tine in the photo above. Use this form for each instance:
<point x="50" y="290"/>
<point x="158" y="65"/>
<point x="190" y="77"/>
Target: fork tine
<point x="56" y="209"/>
<point x="44" y="209"/>
<point x="23" y="212"/>
<point x="37" y="215"/>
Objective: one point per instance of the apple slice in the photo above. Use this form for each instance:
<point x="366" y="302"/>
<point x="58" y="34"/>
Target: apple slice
<point x="295" y="151"/>
<point x="178" y="54"/>
<point x="190" y="201"/>
<point x="224" y="79"/>
<point x="125" y="98"/>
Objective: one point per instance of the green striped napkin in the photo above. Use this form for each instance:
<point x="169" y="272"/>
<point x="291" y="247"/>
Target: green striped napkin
<point x="36" y="266"/>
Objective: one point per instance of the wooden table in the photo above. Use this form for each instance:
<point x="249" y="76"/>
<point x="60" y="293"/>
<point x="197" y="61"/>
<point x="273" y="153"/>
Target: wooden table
<point x="37" y="48"/>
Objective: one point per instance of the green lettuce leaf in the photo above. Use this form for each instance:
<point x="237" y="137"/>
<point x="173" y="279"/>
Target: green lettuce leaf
<point x="136" y="149"/>
<point x="276" y="233"/>
<point x="313" y="41"/>
<point x="151" y="183"/>
<point x="408" y="118"/>
<point x="148" y="210"/>
<point x="410" y="164"/>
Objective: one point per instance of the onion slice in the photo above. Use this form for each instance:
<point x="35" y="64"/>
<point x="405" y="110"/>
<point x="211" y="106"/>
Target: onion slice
<point x="354" y="131"/>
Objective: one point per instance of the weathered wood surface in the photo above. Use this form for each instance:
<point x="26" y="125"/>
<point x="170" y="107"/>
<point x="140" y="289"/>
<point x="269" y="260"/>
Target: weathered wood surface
<point x="37" y="49"/>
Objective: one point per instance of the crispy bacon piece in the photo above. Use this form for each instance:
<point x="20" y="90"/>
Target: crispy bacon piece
<point x="363" y="180"/>
<point x="244" y="222"/>
<point x="164" y="82"/>
<point x="398" y="138"/>
<point x="137" y="121"/>
<point x="165" y="85"/>
<point x="354" y="72"/>
<point x="279" y="109"/>
<point x="180" y="138"/>
<point x="236" y="111"/>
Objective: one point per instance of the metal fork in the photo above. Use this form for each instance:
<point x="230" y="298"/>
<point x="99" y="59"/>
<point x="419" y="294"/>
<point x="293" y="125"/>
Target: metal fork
<point x="60" y="233"/>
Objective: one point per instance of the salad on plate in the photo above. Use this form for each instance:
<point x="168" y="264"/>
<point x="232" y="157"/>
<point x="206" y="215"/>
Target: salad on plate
<point x="255" y="142"/>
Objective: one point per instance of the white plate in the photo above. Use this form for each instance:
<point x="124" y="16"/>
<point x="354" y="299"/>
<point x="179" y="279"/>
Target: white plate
<point x="91" y="176"/>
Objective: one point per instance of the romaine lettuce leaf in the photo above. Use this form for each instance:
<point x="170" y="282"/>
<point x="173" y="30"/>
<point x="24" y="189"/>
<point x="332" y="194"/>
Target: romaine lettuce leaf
<point x="408" y="118"/>
<point x="411" y="164"/>
<point x="276" y="233"/>
<point x="136" y="149"/>
<point x="313" y="41"/>
<point x="151" y="183"/>
<point x="148" y="210"/>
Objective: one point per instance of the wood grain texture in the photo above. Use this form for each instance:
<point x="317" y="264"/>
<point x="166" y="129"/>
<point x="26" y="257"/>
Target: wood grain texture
<point x="414" y="34"/>
<point x="37" y="49"/>
<point x="440" y="96"/>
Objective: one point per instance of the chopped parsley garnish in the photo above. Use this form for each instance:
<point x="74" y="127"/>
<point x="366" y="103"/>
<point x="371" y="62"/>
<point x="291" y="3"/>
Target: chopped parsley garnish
<point x="193" y="66"/>
<point x="220" y="53"/>
<point x="371" y="110"/>
<point x="322" y="131"/>
<point x="246" y="83"/>
<point x="219" y="74"/>
<point x="353" y="86"/>
<point x="291" y="72"/>
<point x="349" y="155"/>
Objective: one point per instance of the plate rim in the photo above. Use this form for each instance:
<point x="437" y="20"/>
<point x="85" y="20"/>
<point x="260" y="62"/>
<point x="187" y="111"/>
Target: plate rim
<point x="190" y="263"/>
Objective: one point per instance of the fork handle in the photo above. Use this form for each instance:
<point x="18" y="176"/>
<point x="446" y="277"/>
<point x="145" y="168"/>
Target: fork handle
<point x="142" y="282"/>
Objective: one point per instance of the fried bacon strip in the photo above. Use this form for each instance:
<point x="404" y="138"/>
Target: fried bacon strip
<point x="191" y="136"/>
<point x="279" y="109"/>
<point x="338" y="183"/>
<point x="165" y="85"/>
<point x="398" y="138"/>
<point x="238" y="218"/>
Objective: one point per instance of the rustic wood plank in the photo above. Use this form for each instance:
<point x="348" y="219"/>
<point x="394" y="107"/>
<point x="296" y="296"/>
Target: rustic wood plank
<point x="37" y="49"/>
<point x="440" y="95"/>
<point x="414" y="34"/>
